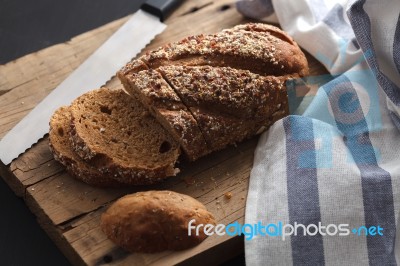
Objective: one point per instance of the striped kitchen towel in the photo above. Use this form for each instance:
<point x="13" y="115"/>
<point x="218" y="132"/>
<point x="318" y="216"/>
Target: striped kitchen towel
<point x="325" y="185"/>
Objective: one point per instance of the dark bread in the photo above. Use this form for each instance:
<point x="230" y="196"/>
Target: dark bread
<point x="154" y="221"/>
<point x="116" y="134"/>
<point x="229" y="85"/>
<point x="61" y="147"/>
<point x="200" y="94"/>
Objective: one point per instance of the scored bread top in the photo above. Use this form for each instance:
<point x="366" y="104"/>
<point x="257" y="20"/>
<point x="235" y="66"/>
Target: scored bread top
<point x="114" y="132"/>
<point x="228" y="104"/>
<point x="225" y="90"/>
<point x="260" y="48"/>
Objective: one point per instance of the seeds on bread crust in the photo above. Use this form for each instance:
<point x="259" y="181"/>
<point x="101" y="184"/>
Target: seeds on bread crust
<point x="228" y="104"/>
<point x="254" y="47"/>
<point x="225" y="90"/>
<point x="116" y="134"/>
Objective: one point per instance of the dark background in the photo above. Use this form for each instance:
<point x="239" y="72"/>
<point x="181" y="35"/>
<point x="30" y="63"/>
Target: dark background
<point x="27" y="26"/>
<point x="30" y="25"/>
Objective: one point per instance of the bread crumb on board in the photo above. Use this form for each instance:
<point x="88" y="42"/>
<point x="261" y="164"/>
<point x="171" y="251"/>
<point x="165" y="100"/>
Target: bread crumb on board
<point x="228" y="195"/>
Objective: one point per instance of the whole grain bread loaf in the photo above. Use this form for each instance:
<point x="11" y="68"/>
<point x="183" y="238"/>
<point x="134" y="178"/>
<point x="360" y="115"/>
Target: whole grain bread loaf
<point x="155" y="221"/>
<point x="222" y="88"/>
<point x="199" y="95"/>
<point x="116" y="134"/>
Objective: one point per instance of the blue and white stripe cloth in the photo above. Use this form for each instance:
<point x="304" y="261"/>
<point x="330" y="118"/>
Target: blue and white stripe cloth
<point x="336" y="161"/>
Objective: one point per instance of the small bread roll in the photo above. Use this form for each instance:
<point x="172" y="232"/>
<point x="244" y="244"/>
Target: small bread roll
<point x="155" y="221"/>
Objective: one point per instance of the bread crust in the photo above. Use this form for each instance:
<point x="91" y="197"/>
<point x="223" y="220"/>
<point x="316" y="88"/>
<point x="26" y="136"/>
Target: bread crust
<point x="155" y="221"/>
<point x="260" y="48"/>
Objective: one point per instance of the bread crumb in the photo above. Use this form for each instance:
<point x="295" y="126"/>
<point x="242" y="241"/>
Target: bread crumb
<point x="228" y="195"/>
<point x="102" y="129"/>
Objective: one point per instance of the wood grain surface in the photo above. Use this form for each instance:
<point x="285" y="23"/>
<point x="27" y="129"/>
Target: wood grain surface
<point x="69" y="210"/>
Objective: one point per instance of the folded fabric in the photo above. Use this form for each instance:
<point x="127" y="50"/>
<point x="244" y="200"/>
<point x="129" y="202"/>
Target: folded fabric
<point x="326" y="179"/>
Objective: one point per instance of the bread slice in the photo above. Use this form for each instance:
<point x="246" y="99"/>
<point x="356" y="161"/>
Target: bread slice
<point x="115" y="133"/>
<point x="60" y="145"/>
<point x="163" y="103"/>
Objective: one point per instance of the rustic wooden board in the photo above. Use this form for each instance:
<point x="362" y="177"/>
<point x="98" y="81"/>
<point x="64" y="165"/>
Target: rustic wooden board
<point x="69" y="210"/>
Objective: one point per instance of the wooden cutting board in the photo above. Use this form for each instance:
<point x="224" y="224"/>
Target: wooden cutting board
<point x="69" y="210"/>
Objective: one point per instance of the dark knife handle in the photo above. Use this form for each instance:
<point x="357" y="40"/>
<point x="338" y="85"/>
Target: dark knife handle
<point x="161" y="8"/>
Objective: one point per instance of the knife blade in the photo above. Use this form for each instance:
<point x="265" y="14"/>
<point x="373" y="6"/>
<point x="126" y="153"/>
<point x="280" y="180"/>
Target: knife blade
<point x="99" y="67"/>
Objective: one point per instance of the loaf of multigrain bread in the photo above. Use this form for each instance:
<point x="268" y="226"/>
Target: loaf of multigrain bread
<point x="155" y="221"/>
<point x="210" y="91"/>
<point x="197" y="95"/>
